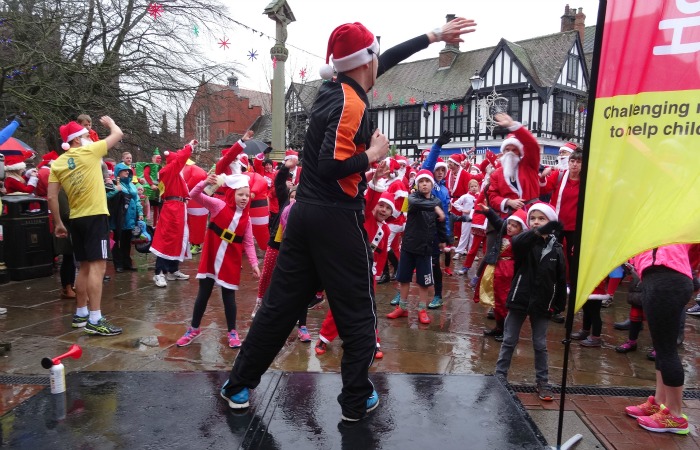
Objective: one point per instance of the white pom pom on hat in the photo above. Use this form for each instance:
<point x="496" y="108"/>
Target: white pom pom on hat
<point x="326" y="71"/>
<point x="65" y="146"/>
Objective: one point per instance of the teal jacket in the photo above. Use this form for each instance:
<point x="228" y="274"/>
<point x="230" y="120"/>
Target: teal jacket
<point x="132" y="208"/>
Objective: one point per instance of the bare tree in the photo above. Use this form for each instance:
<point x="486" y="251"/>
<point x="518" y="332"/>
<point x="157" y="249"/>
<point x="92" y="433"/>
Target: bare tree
<point x="61" y="58"/>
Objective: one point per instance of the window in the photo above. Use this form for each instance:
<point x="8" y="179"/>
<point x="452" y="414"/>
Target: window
<point x="564" y="115"/>
<point x="514" y="104"/>
<point x="455" y="121"/>
<point x="572" y="69"/>
<point x="408" y="123"/>
<point x="373" y="116"/>
<point x="201" y="130"/>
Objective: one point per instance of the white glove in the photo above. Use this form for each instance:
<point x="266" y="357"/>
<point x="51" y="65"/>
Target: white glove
<point x="31" y="173"/>
<point x="33" y="181"/>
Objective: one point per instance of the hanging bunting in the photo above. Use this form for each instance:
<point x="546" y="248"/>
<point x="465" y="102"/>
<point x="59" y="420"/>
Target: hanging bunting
<point x="436" y="107"/>
<point x="453" y="106"/>
<point x="461" y="108"/>
<point x="375" y="94"/>
<point x="302" y="73"/>
<point x="444" y="108"/>
<point x="389" y="97"/>
<point x="412" y="100"/>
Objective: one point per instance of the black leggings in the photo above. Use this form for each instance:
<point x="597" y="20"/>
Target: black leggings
<point x="437" y="275"/>
<point x="591" y="317"/>
<point x="206" y="285"/>
<point x="665" y="293"/>
<point x="67" y="270"/>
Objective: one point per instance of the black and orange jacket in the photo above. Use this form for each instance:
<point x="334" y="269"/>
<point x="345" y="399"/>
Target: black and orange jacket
<point x="339" y="132"/>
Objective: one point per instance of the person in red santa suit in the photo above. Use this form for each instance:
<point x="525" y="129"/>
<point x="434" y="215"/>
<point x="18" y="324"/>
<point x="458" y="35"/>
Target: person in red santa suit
<point x="233" y="161"/>
<point x="517" y="182"/>
<point x="266" y="168"/>
<point x="397" y="188"/>
<point x="295" y="169"/>
<point x="171" y="240"/>
<point x="19" y="179"/>
<point x="43" y="171"/>
<point x="196" y="213"/>
<point x="228" y="234"/>
<point x="379" y="206"/>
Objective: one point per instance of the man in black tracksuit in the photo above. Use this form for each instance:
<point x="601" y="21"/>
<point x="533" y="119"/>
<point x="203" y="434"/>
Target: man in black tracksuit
<point x="325" y="243"/>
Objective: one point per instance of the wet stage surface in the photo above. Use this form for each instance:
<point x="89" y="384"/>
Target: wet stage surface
<point x="38" y="325"/>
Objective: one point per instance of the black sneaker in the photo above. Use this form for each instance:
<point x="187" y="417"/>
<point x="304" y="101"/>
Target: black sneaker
<point x="79" y="321"/>
<point x="315" y="301"/>
<point x="490" y="314"/>
<point x="102" y="328"/>
<point x="558" y="318"/>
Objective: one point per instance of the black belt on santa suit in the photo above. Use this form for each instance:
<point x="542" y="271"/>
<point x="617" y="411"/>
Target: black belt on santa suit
<point x="225" y="234"/>
<point x="258" y="203"/>
<point x="175" y="198"/>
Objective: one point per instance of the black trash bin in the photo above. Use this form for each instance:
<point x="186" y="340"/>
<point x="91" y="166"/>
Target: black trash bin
<point x="28" y="246"/>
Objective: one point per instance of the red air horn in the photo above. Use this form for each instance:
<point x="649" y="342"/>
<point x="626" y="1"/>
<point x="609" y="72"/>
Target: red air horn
<point x="57" y="376"/>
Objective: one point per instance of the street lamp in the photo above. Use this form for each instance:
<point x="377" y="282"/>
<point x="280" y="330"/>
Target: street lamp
<point x="476" y="82"/>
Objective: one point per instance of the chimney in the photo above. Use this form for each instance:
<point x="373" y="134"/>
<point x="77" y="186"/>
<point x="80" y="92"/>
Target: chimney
<point x="568" y="19"/>
<point x="580" y="23"/>
<point x="233" y="82"/>
<point x="449" y="53"/>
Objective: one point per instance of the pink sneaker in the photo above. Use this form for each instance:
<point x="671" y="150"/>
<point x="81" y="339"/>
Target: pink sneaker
<point x="233" y="340"/>
<point x="645" y="409"/>
<point x="187" y="338"/>
<point x="304" y="335"/>
<point x="664" y="422"/>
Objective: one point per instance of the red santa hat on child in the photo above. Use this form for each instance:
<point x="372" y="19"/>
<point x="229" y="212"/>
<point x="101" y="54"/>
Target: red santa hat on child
<point x="544" y="208"/>
<point x="243" y="159"/>
<point x="388" y="198"/>
<point x="456" y="158"/>
<point x="512" y="140"/>
<point x="349" y="46"/>
<point x="291" y="154"/>
<point x="401" y="159"/>
<point x="440" y="163"/>
<point x="14" y="160"/>
<point x="520" y="217"/>
<point x="70" y="131"/>
<point x="569" y="147"/>
<point x="47" y="158"/>
<point x="393" y="164"/>
<point x="425" y="173"/>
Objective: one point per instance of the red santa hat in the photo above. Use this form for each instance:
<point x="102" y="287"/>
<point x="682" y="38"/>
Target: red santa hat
<point x="47" y="158"/>
<point x="243" y="159"/>
<point x="393" y="164"/>
<point x="349" y="46"/>
<point x="388" y="198"/>
<point x="170" y="156"/>
<point x="456" y="158"/>
<point x="14" y="160"/>
<point x="424" y="154"/>
<point x="440" y="163"/>
<point x="401" y="159"/>
<point x="70" y="131"/>
<point x="491" y="157"/>
<point x="291" y="154"/>
<point x="544" y="208"/>
<point x="520" y="217"/>
<point x="569" y="147"/>
<point x="425" y="173"/>
<point x="512" y="140"/>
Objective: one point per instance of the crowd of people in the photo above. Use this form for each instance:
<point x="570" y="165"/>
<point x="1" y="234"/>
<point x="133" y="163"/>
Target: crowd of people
<point x="401" y="220"/>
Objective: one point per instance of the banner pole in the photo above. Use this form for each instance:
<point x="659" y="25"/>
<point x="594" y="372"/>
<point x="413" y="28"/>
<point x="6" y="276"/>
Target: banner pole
<point x="574" y="262"/>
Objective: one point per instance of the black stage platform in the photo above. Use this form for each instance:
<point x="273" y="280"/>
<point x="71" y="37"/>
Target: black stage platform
<point x="165" y="410"/>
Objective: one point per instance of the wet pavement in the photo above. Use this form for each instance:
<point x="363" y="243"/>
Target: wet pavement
<point x="38" y="325"/>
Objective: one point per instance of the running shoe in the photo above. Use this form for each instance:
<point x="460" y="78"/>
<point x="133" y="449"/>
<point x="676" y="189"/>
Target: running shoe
<point x="647" y="408"/>
<point x="304" y="335"/>
<point x="102" y="328"/>
<point x="321" y="347"/>
<point x="448" y="271"/>
<point x="398" y="312"/>
<point x="236" y="401"/>
<point x="694" y="311"/>
<point x="233" y="340"/>
<point x="395" y="301"/>
<point x="79" y="321"/>
<point x="177" y="276"/>
<point x="544" y="392"/>
<point x="160" y="280"/>
<point x="188" y="337"/>
<point x="372" y="403"/>
<point x="423" y="317"/>
<point x="664" y="422"/>
<point x="627" y="346"/>
<point x="436" y="303"/>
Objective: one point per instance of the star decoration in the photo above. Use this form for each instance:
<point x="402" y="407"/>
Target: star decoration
<point x="274" y="62"/>
<point x="375" y="94"/>
<point x="302" y="73"/>
<point x="453" y="106"/>
<point x="224" y="43"/>
<point x="400" y="101"/>
<point x="444" y="108"/>
<point x="425" y="105"/>
<point x="195" y="30"/>
<point x="389" y="97"/>
<point x="436" y="107"/>
<point x="155" y="10"/>
<point x="412" y="100"/>
<point x="252" y="55"/>
<point x="461" y="108"/>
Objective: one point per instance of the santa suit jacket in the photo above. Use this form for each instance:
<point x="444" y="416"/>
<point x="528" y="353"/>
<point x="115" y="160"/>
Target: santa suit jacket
<point x="527" y="175"/>
<point x="221" y="259"/>
<point x="377" y="232"/>
<point x="564" y="198"/>
<point x="13" y="185"/>
<point x="171" y="240"/>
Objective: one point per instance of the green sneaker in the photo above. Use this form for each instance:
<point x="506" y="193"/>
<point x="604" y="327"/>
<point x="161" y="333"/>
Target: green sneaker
<point x="395" y="301"/>
<point x="436" y="303"/>
<point x="102" y="328"/>
<point x="79" y="321"/>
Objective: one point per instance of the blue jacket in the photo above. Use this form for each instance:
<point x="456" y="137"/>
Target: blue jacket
<point x="440" y="188"/>
<point x="132" y="208"/>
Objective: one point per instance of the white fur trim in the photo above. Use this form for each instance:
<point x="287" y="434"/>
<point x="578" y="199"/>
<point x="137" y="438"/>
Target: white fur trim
<point x="440" y="164"/>
<point x="598" y="297"/>
<point x="390" y="203"/>
<point x="378" y="187"/>
<point x="291" y="157"/>
<point x="399" y="194"/>
<point x="260" y="220"/>
<point x="355" y="60"/>
<point x="512" y="141"/>
<point x="15" y="167"/>
<point x="76" y="134"/>
<point x="427" y="177"/>
<point x="65" y="146"/>
<point x="33" y="181"/>
<point x="197" y="211"/>
<point x="326" y="71"/>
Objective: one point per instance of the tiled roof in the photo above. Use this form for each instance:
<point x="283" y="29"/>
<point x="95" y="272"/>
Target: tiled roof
<point x="542" y="57"/>
<point x="306" y="92"/>
<point x="257" y="98"/>
<point x="588" y="43"/>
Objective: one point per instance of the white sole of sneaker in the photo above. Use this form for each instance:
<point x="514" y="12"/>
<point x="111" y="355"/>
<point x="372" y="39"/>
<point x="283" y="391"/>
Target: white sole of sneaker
<point x="233" y="405"/>
<point x="666" y="430"/>
<point x="369" y="410"/>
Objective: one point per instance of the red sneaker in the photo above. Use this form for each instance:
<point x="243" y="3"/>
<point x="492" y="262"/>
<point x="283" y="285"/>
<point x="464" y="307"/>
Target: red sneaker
<point x="423" y="317"/>
<point x="378" y="353"/>
<point x="664" y="422"/>
<point x="448" y="271"/>
<point x="647" y="408"/>
<point x="398" y="312"/>
<point x="321" y="347"/>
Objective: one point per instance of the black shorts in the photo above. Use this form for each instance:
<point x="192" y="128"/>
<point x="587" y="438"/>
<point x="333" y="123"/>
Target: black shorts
<point x="90" y="237"/>
<point x="423" y="265"/>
